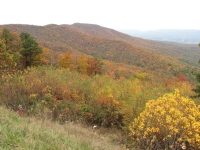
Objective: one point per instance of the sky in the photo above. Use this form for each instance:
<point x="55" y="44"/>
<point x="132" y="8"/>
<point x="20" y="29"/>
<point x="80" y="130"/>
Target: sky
<point x="115" y="14"/>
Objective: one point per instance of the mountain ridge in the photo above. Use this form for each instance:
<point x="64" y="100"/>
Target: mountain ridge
<point x="174" y="49"/>
<point x="112" y="45"/>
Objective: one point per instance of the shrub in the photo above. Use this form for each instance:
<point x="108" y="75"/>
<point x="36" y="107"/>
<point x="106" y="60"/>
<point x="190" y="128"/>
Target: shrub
<point x="166" y="122"/>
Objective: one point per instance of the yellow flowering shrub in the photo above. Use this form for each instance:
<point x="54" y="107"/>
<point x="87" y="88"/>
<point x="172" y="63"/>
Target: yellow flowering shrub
<point x="166" y="122"/>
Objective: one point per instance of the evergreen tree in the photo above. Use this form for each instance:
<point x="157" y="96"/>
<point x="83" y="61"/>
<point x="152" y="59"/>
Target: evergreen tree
<point x="30" y="49"/>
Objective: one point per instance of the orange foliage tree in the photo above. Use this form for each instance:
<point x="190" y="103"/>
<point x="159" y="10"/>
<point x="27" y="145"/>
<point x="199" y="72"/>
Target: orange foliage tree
<point x="94" y="66"/>
<point x="45" y="57"/>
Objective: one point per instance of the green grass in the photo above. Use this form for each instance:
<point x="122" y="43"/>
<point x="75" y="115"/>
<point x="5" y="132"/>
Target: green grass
<point x="22" y="133"/>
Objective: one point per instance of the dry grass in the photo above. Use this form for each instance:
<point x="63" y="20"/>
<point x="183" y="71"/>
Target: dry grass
<point x="31" y="133"/>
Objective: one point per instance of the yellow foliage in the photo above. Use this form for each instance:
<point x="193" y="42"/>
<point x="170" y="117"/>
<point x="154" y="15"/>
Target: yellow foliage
<point x="170" y="119"/>
<point x="75" y="94"/>
<point x="82" y="64"/>
<point x="108" y="92"/>
<point x="47" y="90"/>
<point x="45" y="56"/>
<point x="141" y="76"/>
<point x="33" y="96"/>
<point x="66" y="60"/>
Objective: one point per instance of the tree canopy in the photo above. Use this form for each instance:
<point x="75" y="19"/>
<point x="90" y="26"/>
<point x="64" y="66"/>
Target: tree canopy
<point x="7" y="38"/>
<point x="30" y="49"/>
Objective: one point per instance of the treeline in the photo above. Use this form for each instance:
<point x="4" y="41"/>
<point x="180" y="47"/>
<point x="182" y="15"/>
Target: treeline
<point x="18" y="51"/>
<point x="82" y="64"/>
<point x="117" y="48"/>
<point x="22" y="51"/>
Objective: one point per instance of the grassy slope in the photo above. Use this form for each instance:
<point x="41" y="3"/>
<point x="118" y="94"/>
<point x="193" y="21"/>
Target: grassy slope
<point x="31" y="133"/>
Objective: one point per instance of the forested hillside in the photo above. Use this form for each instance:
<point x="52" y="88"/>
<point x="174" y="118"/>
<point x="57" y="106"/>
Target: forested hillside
<point x="102" y="78"/>
<point x="185" y="52"/>
<point x="162" y="58"/>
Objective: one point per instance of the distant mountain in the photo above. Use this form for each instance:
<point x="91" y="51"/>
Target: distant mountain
<point x="170" y="35"/>
<point x="109" y="44"/>
<point x="189" y="53"/>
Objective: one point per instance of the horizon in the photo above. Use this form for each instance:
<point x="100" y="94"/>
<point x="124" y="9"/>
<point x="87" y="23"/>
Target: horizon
<point x="129" y="14"/>
<point x="101" y="26"/>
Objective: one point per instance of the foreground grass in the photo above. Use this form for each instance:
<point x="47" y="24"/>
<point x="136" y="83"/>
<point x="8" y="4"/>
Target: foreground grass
<point x="33" y="134"/>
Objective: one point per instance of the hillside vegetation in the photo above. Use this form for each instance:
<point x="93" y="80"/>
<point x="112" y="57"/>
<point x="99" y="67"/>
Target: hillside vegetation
<point x="62" y="95"/>
<point x="68" y="75"/>
<point x="114" y="46"/>
<point x="185" y="52"/>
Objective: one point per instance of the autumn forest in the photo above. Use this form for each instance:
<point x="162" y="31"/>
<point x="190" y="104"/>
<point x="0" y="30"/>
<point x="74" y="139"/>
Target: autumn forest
<point x="147" y="90"/>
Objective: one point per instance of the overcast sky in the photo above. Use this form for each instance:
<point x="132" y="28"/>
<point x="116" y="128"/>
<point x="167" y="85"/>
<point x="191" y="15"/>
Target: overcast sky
<point x="115" y="14"/>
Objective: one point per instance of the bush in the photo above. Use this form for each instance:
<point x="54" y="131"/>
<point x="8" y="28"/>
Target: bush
<point x="166" y="122"/>
<point x="65" y="95"/>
